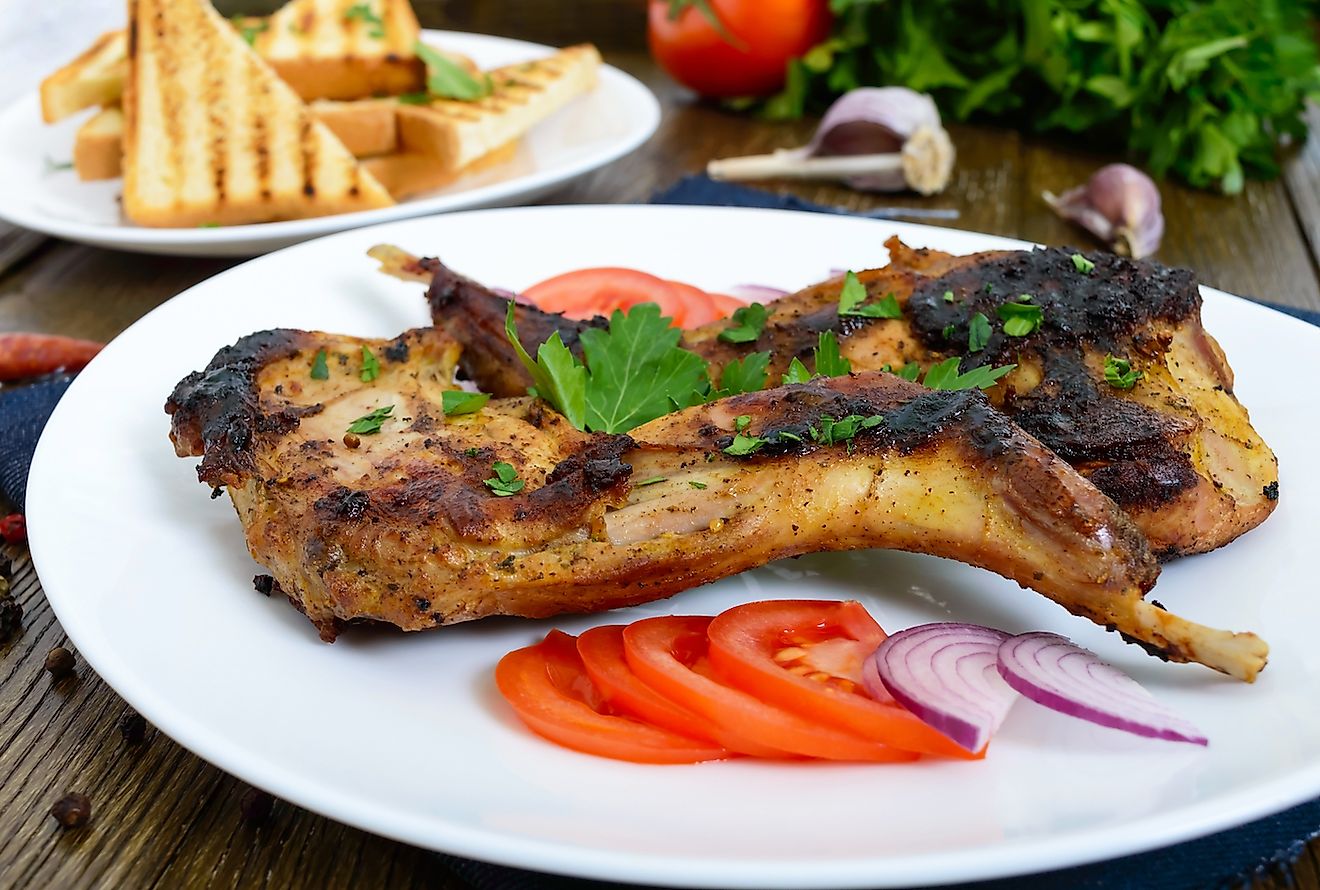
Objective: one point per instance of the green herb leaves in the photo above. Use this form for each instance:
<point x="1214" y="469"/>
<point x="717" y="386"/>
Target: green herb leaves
<point x="744" y="375"/>
<point x="1120" y="374"/>
<point x="742" y="444"/>
<point x="458" y="401"/>
<point x="829" y="432"/>
<point x="796" y="373"/>
<point x="364" y="13"/>
<point x="370" y="367"/>
<point x="370" y="424"/>
<point x="829" y="363"/>
<point x="320" y="371"/>
<point x="447" y="79"/>
<point x="945" y="375"/>
<point x="748" y="322"/>
<point x="978" y="332"/>
<point x="852" y="301"/>
<point x="505" y="482"/>
<point x="834" y="432"/>
<point x="633" y="373"/>
<point x="1021" y="317"/>
<point x="1082" y="264"/>
<point x="250" y="28"/>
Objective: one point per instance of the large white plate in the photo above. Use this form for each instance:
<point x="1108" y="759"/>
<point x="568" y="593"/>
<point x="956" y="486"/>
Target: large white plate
<point x="406" y="736"/>
<point x="590" y="132"/>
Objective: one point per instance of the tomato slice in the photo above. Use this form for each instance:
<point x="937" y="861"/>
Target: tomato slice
<point x="700" y="308"/>
<point x="549" y="690"/>
<point x="806" y="657"/>
<point x="588" y="292"/>
<point x="669" y="655"/>
<point x="725" y="305"/>
<point x="601" y="650"/>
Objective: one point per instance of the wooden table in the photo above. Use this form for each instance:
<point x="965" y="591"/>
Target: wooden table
<point x="165" y="818"/>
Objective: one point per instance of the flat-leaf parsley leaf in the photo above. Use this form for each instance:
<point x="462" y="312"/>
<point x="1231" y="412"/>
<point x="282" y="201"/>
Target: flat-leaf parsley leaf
<point x="748" y="322"/>
<point x="320" y="371"/>
<point x="1120" y="374"/>
<point x="853" y="295"/>
<point x="370" y="367"/>
<point x="370" y="424"/>
<point x="1021" y="317"/>
<point x="458" y="401"/>
<point x="505" y="482"/>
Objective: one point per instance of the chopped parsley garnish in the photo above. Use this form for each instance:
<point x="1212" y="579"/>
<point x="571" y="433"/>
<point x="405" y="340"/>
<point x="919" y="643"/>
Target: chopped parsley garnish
<point x="652" y="481"/>
<point x="742" y="443"/>
<point x="945" y="376"/>
<point x="505" y="482"/>
<point x="797" y="373"/>
<point x="1120" y="374"/>
<point x="364" y="13"/>
<point x="370" y="424"/>
<point x="978" y="332"/>
<point x="370" y="367"/>
<point x="829" y="363"/>
<point x="695" y="484"/>
<point x="746" y="374"/>
<point x="319" y="369"/>
<point x="949" y="329"/>
<point x="1082" y="264"/>
<point x="458" y="401"/>
<point x="853" y="296"/>
<point x="911" y="371"/>
<point x="748" y="322"/>
<point x="415" y="98"/>
<point x="447" y="79"/>
<point x="249" y="28"/>
<point x="472" y="452"/>
<point x="833" y="432"/>
<point x="948" y="296"/>
<point x="634" y="372"/>
<point x="53" y="166"/>
<point x="1021" y="317"/>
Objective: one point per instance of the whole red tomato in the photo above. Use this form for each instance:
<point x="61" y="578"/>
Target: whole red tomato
<point x="746" y="54"/>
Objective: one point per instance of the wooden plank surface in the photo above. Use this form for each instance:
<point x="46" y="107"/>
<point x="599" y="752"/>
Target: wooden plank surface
<point x="164" y="818"/>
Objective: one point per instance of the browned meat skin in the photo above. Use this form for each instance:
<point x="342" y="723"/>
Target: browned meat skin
<point x="1177" y="452"/>
<point x="399" y="527"/>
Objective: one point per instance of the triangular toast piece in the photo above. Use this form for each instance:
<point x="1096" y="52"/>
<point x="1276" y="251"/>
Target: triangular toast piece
<point x="344" y="49"/>
<point x="214" y="137"/>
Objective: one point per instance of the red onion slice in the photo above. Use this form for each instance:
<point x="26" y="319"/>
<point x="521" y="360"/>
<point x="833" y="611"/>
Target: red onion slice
<point x="946" y="675"/>
<point x="1052" y="671"/>
<point x="756" y="293"/>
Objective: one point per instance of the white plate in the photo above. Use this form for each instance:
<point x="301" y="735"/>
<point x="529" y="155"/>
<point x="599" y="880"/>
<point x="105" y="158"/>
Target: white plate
<point x="588" y="133"/>
<point x="405" y="735"/>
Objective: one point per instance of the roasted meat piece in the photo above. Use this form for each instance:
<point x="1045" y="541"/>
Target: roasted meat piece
<point x="1176" y="451"/>
<point x="405" y="525"/>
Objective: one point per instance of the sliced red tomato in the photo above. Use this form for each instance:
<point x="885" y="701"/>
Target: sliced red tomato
<point x="806" y="657"/>
<point x="701" y="308"/>
<point x="549" y="690"/>
<point x="601" y="650"/>
<point x="589" y="292"/>
<point x="669" y="655"/>
<point x="725" y="305"/>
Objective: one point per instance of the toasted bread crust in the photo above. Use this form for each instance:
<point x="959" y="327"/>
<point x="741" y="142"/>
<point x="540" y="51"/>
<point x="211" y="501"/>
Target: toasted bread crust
<point x="213" y="136"/>
<point x="95" y="77"/>
<point x="406" y="175"/>
<point x="98" y="147"/>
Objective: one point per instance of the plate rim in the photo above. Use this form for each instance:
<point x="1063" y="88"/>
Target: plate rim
<point x="1072" y="848"/>
<point x="234" y="239"/>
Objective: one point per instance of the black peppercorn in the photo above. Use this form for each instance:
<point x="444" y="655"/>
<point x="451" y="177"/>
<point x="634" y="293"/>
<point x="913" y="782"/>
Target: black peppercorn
<point x="255" y="806"/>
<point x="263" y="584"/>
<point x="72" y="810"/>
<point x="60" y="662"/>
<point x="133" y="727"/>
<point x="11" y="615"/>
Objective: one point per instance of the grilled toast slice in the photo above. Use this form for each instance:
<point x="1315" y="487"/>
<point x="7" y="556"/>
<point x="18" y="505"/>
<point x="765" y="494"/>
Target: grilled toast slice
<point x="98" y="148"/>
<point x="405" y="175"/>
<point x="96" y="77"/>
<point x="344" y="49"/>
<point x="213" y="136"/>
<point x="366" y="126"/>
<point x="457" y="133"/>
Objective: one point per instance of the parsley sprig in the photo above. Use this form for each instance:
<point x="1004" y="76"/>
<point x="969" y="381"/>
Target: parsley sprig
<point x="1120" y="374"/>
<point x="447" y="79"/>
<point x="1021" y="316"/>
<point x="852" y="301"/>
<point x="370" y="366"/>
<point x="748" y="322"/>
<point x="505" y="482"/>
<point x="946" y="375"/>
<point x="320" y="371"/>
<point x="459" y="401"/>
<point x="370" y="424"/>
<point x="1082" y="264"/>
<point x="978" y="332"/>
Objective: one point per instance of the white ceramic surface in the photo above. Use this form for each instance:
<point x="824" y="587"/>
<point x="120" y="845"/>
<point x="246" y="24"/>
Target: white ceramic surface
<point x="588" y="133"/>
<point x="405" y="735"/>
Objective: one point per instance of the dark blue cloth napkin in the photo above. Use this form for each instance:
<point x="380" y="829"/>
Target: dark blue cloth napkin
<point x="1223" y="860"/>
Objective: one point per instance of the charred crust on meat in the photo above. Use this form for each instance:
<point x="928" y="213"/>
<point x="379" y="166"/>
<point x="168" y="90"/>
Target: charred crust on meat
<point x="1271" y="491"/>
<point x="1133" y="449"/>
<point x="397" y="350"/>
<point x="343" y="504"/>
<point x="217" y="413"/>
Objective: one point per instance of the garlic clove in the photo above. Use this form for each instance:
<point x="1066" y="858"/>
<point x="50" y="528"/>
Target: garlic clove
<point x="1119" y="205"/>
<point x="873" y="120"/>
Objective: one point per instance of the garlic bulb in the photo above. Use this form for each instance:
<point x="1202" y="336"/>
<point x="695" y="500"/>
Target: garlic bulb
<point x="1119" y="205"/>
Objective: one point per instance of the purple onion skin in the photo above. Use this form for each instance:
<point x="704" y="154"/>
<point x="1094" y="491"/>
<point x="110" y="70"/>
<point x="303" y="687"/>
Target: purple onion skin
<point x="872" y="120"/>
<point x="756" y="293"/>
<point x="1018" y="662"/>
<point x="967" y="734"/>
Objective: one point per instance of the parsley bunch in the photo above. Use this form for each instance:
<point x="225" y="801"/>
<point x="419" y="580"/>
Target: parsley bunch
<point x="1202" y="88"/>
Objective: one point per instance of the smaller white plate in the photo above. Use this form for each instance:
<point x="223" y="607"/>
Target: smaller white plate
<point x="590" y="132"/>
